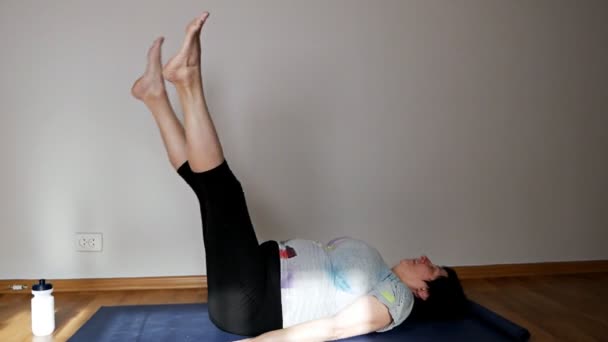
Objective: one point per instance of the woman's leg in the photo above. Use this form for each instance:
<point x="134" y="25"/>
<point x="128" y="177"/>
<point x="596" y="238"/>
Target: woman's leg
<point x="184" y="71"/>
<point x="150" y="88"/>
<point x="242" y="276"/>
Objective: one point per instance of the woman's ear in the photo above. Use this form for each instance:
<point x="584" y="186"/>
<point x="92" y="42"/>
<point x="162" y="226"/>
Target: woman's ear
<point x="422" y="293"/>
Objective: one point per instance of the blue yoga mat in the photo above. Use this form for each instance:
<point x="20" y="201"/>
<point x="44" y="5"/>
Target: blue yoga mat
<point x="190" y="322"/>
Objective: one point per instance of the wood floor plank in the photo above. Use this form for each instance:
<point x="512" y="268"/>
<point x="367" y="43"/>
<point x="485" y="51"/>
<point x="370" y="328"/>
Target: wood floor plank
<point x="503" y="305"/>
<point x="553" y="308"/>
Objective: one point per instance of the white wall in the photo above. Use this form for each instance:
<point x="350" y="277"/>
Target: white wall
<point x="474" y="131"/>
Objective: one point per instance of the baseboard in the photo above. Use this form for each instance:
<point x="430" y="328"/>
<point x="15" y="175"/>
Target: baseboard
<point x="534" y="269"/>
<point x="200" y="282"/>
<point x="111" y="284"/>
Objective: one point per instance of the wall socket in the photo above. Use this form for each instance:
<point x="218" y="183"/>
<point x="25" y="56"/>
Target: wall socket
<point x="88" y="242"/>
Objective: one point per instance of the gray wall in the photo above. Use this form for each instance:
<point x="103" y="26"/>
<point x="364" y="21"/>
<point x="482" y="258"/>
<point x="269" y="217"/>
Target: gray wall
<point x="474" y="131"/>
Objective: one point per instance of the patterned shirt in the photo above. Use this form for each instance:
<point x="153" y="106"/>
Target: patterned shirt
<point x="318" y="280"/>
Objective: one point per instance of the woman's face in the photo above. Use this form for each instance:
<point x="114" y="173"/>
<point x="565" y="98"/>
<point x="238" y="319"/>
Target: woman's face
<point x="416" y="272"/>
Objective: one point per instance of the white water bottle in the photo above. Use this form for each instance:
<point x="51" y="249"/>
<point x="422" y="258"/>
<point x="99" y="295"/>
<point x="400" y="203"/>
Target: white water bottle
<point x="43" y="309"/>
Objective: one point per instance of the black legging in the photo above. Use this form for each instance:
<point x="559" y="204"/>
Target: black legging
<point x="243" y="276"/>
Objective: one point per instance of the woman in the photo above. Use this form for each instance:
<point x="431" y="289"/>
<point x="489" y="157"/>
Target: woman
<point x="293" y="290"/>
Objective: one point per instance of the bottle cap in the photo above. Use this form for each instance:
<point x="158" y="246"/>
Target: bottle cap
<point x="42" y="286"/>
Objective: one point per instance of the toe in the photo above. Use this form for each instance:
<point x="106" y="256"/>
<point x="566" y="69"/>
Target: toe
<point x="155" y="47"/>
<point x="196" y="24"/>
<point x="193" y="31"/>
<point x="193" y="27"/>
<point x="204" y="17"/>
<point x="154" y="54"/>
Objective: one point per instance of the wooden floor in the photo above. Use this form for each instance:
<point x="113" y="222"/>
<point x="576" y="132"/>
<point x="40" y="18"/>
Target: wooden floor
<point x="553" y="308"/>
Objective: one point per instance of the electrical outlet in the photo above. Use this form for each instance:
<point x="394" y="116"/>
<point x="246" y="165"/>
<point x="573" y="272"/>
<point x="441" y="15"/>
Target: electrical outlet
<point x="88" y="242"/>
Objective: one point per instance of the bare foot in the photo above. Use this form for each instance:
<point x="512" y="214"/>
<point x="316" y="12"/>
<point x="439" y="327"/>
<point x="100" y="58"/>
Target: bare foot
<point x="151" y="84"/>
<point x="184" y="68"/>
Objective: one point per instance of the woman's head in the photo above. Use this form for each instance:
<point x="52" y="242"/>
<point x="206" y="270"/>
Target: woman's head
<point x="437" y="289"/>
<point x="416" y="273"/>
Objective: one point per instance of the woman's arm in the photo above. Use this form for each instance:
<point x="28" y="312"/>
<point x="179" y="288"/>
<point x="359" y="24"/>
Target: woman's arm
<point x="363" y="316"/>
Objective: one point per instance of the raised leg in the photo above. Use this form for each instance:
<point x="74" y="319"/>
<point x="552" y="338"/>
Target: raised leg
<point x="150" y="89"/>
<point x="204" y="151"/>
<point x="243" y="278"/>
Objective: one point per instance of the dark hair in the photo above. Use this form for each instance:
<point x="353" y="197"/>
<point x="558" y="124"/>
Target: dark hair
<point x="446" y="299"/>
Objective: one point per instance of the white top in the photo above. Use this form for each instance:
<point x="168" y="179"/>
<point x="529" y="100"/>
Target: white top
<point x="318" y="280"/>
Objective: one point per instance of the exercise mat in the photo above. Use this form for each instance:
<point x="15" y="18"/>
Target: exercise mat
<point x="190" y="322"/>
